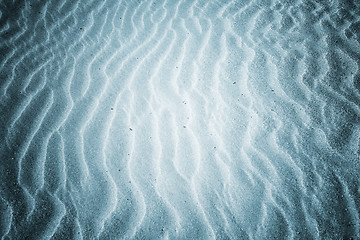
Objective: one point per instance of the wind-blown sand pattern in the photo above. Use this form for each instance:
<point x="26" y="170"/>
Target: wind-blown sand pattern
<point x="180" y="119"/>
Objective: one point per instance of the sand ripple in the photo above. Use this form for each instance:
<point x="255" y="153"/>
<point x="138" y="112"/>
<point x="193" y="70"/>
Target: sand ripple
<point x="179" y="119"/>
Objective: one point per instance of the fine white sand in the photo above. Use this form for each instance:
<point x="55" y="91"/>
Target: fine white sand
<point x="179" y="119"/>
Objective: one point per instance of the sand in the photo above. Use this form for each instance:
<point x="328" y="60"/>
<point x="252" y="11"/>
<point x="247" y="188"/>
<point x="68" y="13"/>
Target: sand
<point x="179" y="119"/>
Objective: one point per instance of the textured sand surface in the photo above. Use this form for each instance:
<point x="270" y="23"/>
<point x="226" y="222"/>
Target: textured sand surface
<point x="179" y="119"/>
